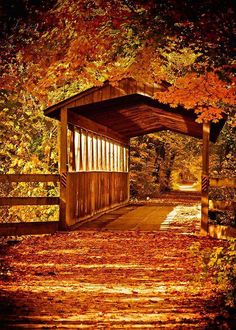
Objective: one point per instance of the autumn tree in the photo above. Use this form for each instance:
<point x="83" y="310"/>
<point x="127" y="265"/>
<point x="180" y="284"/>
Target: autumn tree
<point x="62" y="47"/>
<point x="89" y="41"/>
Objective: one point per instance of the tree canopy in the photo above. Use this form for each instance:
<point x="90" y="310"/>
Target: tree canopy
<point x="184" y="47"/>
<point x="54" y="49"/>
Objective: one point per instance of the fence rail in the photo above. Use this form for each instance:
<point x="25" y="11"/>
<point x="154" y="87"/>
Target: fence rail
<point x="222" y="204"/>
<point x="29" y="228"/>
<point x="12" y="201"/>
<point x="8" y="178"/>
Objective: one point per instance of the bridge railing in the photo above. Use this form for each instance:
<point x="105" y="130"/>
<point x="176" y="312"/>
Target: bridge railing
<point x="220" y="231"/>
<point x="24" y="228"/>
<point x="222" y="183"/>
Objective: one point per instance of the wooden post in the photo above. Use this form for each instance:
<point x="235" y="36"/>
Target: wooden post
<point x="63" y="167"/>
<point x="72" y="149"/>
<point x="81" y="151"/>
<point x="87" y="151"/>
<point x="205" y="178"/>
<point x="92" y="153"/>
<point x="128" y="176"/>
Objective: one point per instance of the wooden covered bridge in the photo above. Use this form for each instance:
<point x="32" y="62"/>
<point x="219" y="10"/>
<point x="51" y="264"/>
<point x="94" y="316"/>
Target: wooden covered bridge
<point x="95" y="131"/>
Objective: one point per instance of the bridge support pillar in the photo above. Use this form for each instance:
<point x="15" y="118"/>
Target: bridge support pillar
<point x="63" y="168"/>
<point x="205" y="179"/>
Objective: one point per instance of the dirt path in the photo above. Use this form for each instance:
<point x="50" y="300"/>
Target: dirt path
<point x="109" y="280"/>
<point x="187" y="187"/>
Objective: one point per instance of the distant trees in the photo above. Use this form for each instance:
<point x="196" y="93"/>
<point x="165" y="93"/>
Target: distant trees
<point x="160" y="161"/>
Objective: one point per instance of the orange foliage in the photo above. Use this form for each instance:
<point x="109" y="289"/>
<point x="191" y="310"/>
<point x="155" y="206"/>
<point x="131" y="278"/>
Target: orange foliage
<point x="205" y="93"/>
<point x="88" y="42"/>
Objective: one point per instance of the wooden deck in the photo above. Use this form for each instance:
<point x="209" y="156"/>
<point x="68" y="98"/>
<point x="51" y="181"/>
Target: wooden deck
<point x="131" y="217"/>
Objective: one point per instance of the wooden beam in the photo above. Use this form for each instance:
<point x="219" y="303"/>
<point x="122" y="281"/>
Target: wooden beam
<point x="29" y="178"/>
<point x="12" y="201"/>
<point x="71" y="149"/>
<point x="63" y="167"/>
<point x="95" y="127"/>
<point x="63" y="141"/>
<point x="81" y="158"/>
<point x="93" y="153"/>
<point x="87" y="151"/>
<point x="205" y="179"/>
<point x="29" y="228"/>
<point x="128" y="161"/>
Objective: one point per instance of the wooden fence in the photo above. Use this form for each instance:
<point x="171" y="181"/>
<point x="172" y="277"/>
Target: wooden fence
<point x="23" y="228"/>
<point x="93" y="202"/>
<point x="219" y="231"/>
<point x="222" y="204"/>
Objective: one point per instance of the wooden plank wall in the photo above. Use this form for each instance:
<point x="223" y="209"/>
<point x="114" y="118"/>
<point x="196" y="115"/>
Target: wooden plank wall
<point x="92" y="192"/>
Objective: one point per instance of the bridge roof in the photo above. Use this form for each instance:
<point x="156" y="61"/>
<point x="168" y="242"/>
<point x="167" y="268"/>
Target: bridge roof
<point x="129" y="109"/>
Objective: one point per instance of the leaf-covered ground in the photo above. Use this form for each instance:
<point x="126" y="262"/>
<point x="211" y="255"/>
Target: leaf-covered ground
<point x="104" y="279"/>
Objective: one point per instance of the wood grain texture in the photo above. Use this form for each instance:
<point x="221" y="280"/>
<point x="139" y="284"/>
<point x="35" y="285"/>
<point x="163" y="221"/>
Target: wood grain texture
<point x="126" y="95"/>
<point x="93" y="192"/>
<point x="95" y="127"/>
<point x="134" y="115"/>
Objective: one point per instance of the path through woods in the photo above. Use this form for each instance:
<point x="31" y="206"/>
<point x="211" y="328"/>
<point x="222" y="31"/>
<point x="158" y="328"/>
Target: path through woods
<point x="103" y="279"/>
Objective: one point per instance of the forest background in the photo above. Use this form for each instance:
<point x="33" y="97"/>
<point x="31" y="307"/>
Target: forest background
<point x="54" y="49"/>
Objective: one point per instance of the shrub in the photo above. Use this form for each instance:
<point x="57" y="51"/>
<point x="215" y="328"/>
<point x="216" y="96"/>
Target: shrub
<point x="220" y="266"/>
